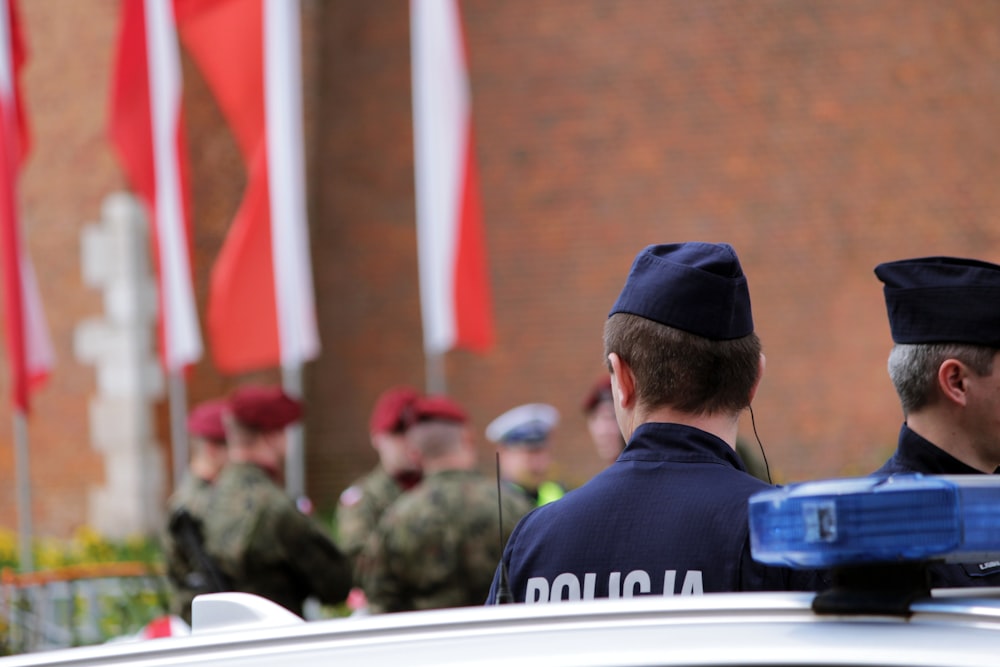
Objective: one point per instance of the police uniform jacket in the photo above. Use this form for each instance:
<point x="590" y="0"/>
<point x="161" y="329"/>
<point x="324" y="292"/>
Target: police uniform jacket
<point x="916" y="454"/>
<point x="668" y="517"/>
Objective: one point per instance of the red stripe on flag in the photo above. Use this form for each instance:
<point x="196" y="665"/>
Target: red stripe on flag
<point x="131" y="127"/>
<point x="28" y="346"/>
<point x="226" y="38"/>
<point x="454" y="285"/>
<point x="13" y="305"/>
<point x="473" y="309"/>
<point x="132" y="134"/>
<point x="242" y="311"/>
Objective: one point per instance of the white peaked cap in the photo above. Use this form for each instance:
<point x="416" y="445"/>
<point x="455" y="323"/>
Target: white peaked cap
<point x="528" y="424"/>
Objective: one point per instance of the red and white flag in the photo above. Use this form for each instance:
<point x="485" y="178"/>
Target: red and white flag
<point x="261" y="310"/>
<point x="29" y="348"/>
<point x="147" y="131"/>
<point x="454" y="289"/>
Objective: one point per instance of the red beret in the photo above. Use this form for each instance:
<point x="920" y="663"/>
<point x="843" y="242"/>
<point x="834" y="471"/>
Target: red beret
<point x="601" y="391"/>
<point x="205" y="420"/>
<point x="393" y="410"/>
<point x="438" y="408"/>
<point x="264" y="408"/>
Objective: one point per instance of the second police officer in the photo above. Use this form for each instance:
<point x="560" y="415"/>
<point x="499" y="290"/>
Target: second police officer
<point x="944" y="317"/>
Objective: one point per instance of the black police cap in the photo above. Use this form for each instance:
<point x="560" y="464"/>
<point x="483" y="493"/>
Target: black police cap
<point x="942" y="300"/>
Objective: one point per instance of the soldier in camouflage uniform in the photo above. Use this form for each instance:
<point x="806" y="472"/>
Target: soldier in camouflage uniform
<point x="363" y="502"/>
<point x="438" y="545"/>
<point x="253" y="531"/>
<point x="207" y="439"/>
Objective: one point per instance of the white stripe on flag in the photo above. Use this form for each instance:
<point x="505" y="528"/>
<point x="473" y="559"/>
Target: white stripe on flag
<point x="6" y="54"/>
<point x="38" y="352"/>
<point x="440" y="123"/>
<point x="181" y="337"/>
<point x="39" y="355"/>
<point x="295" y="306"/>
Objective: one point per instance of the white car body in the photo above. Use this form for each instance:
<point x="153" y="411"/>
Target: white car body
<point x="960" y="628"/>
<point x="875" y="537"/>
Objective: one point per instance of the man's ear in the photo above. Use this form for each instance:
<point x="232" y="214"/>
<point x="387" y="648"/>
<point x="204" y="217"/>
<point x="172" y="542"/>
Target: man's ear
<point x="622" y="381"/>
<point x="951" y="379"/>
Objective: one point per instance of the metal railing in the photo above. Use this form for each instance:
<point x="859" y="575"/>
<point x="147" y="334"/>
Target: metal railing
<point x="77" y="605"/>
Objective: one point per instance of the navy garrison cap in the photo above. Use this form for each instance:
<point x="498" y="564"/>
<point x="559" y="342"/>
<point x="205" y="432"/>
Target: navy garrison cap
<point x="696" y="287"/>
<point x="942" y="300"/>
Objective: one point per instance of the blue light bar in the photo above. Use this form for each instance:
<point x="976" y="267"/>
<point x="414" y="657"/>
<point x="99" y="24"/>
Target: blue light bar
<point x="877" y="520"/>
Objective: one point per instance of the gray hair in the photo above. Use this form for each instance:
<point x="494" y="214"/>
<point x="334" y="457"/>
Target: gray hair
<point x="913" y="369"/>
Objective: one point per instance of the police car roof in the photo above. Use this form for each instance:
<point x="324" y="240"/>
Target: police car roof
<point x="718" y="629"/>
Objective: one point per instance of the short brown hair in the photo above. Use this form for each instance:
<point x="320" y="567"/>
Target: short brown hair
<point x="681" y="370"/>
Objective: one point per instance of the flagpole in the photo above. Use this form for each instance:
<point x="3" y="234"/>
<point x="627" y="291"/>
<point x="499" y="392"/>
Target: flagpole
<point x="454" y="299"/>
<point x="435" y="375"/>
<point x="178" y="428"/>
<point x="23" y="467"/>
<point x="291" y="381"/>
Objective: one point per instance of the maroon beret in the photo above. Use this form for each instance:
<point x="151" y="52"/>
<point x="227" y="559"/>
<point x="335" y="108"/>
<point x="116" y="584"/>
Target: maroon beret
<point x="264" y="408"/>
<point x="205" y="420"/>
<point x="601" y="391"/>
<point x="438" y="409"/>
<point x="393" y="410"/>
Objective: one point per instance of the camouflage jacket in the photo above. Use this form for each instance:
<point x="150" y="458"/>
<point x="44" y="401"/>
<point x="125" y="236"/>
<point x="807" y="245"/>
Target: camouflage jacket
<point x="439" y="544"/>
<point x="183" y="575"/>
<point x="361" y="506"/>
<point x="266" y="546"/>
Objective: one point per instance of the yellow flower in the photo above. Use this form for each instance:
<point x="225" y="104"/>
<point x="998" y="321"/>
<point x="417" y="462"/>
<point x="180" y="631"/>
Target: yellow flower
<point x="8" y="548"/>
<point x="49" y="553"/>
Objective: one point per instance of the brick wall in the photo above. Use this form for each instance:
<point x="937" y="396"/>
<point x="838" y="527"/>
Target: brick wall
<point x="818" y="138"/>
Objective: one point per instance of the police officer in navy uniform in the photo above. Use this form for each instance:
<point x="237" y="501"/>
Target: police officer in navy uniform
<point x="670" y="515"/>
<point x="944" y="316"/>
<point x="524" y="437"/>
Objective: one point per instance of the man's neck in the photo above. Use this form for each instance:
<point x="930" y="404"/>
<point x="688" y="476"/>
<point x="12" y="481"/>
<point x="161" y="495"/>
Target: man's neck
<point x="943" y="434"/>
<point x="247" y="457"/>
<point x="205" y="469"/>
<point x="454" y="461"/>
<point x="723" y="426"/>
